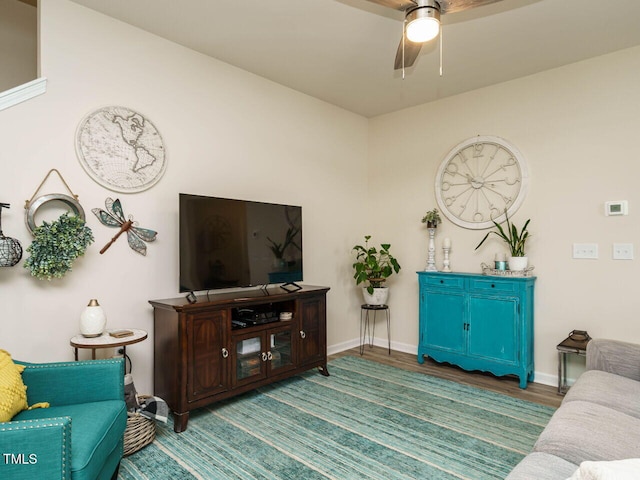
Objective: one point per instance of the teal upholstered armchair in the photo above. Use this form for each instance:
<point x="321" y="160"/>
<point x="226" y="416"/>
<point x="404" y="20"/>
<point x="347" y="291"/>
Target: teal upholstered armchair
<point x="80" y="436"/>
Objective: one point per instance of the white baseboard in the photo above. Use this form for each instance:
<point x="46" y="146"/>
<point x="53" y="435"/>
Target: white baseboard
<point x="545" y="379"/>
<point x="539" y="377"/>
<point x="341" y="347"/>
<point x="378" y="342"/>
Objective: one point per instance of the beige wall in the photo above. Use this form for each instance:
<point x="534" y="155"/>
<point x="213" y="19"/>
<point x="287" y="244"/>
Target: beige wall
<point x="227" y="133"/>
<point x="578" y="127"/>
<point x="18" y="43"/>
<point x="230" y="133"/>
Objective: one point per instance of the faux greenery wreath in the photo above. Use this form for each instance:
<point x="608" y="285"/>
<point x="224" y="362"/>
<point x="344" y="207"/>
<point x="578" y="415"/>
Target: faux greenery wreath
<point x="56" y="245"/>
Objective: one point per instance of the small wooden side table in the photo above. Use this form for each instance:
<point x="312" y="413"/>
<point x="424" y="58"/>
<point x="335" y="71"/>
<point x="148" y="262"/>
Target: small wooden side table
<point x="575" y="345"/>
<point x="107" y="341"/>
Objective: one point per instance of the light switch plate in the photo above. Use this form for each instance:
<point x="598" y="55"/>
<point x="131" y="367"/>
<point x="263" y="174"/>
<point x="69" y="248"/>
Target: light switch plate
<point x="585" y="250"/>
<point x="623" y="251"/>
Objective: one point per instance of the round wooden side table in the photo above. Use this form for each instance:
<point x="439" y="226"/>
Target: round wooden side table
<point x="107" y="341"/>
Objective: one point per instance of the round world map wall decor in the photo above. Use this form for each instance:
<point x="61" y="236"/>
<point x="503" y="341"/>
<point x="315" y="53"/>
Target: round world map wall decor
<point x="121" y="149"/>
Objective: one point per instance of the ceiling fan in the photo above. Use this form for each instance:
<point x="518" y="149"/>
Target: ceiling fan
<point x="422" y="23"/>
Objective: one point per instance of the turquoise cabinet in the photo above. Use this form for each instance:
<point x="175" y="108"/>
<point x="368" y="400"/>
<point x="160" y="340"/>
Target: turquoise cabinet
<point x="478" y="322"/>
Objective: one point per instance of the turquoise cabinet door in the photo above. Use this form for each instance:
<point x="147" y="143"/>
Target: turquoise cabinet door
<point x="444" y="329"/>
<point x="493" y="328"/>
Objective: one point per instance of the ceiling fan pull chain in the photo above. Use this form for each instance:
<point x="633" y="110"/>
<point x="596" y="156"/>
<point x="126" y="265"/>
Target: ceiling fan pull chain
<point x="403" y="38"/>
<point x="441" y="50"/>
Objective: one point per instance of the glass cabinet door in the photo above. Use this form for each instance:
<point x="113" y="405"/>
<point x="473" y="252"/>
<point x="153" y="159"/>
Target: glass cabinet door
<point x="249" y="358"/>
<point x="280" y="352"/>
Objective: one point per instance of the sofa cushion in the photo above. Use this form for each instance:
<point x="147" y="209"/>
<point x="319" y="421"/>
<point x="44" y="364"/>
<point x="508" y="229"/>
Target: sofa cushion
<point x="580" y="431"/>
<point x="613" y="391"/>
<point x="542" y="466"/>
<point x="96" y="430"/>
<point x="613" y="356"/>
<point x="13" y="393"/>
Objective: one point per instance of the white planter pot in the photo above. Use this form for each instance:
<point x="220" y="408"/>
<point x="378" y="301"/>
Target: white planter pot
<point x="379" y="296"/>
<point x="518" y="263"/>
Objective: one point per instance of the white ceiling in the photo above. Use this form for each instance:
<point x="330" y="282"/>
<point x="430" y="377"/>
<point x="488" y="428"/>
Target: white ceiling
<point x="342" y="51"/>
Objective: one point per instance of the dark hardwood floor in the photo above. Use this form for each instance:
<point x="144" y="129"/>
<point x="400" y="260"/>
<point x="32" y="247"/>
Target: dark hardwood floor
<point x="535" y="392"/>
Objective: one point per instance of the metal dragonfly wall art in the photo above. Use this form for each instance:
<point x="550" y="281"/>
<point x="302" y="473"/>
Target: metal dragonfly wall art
<point x="114" y="217"/>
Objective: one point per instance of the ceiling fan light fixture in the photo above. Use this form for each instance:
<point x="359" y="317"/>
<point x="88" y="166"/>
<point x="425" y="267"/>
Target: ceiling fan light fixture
<point x="423" y="24"/>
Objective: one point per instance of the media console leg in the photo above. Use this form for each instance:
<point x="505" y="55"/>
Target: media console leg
<point x="180" y="421"/>
<point x="323" y="370"/>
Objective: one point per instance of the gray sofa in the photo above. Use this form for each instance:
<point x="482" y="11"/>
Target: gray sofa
<point x="599" y="419"/>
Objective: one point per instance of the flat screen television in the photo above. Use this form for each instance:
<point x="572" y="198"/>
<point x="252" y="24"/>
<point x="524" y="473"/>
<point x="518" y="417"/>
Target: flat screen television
<point x="226" y="243"/>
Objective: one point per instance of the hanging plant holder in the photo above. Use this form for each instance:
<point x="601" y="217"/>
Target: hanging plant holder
<point x="57" y="244"/>
<point x="10" y="248"/>
<point x="31" y="206"/>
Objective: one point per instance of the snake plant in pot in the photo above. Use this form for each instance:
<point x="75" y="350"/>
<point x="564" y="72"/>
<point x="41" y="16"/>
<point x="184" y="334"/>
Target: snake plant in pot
<point x="516" y="240"/>
<point x="373" y="266"/>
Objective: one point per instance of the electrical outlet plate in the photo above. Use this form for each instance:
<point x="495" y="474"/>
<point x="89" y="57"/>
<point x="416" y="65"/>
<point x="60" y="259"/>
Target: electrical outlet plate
<point x="585" y="250"/>
<point x="623" y="251"/>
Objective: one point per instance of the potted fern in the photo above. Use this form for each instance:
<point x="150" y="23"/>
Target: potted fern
<point x="373" y="266"/>
<point x="516" y="240"/>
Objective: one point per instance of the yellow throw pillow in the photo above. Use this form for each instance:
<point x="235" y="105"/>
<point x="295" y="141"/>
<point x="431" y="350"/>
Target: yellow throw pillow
<point x="13" y="393"/>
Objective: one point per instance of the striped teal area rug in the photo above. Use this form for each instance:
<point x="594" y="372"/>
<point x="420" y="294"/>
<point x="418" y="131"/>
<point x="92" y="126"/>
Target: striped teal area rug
<point x="365" y="421"/>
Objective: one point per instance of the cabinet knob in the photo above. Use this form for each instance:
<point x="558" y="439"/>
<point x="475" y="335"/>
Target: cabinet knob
<point x="225" y="353"/>
<point x="493" y="285"/>
<point x="302" y="334"/>
<point x="441" y="281"/>
<point x="264" y="357"/>
<point x="269" y="356"/>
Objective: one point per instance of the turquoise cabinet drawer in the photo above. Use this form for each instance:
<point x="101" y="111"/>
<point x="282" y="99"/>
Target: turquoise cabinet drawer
<point x="443" y="281"/>
<point x="492" y="285"/>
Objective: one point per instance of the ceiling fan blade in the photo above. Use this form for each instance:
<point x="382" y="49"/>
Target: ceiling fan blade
<point x="411" y="51"/>
<point x="453" y="6"/>
<point x="401" y="5"/>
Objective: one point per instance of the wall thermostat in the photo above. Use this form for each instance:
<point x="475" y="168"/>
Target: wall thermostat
<point x="618" y="207"/>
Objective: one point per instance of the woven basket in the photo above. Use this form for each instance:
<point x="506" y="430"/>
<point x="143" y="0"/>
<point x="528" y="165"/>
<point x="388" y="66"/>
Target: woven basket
<point x="140" y="432"/>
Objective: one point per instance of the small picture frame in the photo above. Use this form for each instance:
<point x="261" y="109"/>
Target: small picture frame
<point x="191" y="297"/>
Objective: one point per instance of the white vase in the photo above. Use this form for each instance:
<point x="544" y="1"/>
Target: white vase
<point x="518" y="263"/>
<point x="378" y="297"/>
<point x="92" y="320"/>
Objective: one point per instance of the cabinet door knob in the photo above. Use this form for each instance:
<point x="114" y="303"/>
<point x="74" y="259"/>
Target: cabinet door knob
<point x="225" y="353"/>
<point x="302" y="334"/>
<point x="264" y="357"/>
<point x="269" y="356"/>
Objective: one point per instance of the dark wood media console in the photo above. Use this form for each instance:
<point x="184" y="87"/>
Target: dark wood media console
<point x="200" y="357"/>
